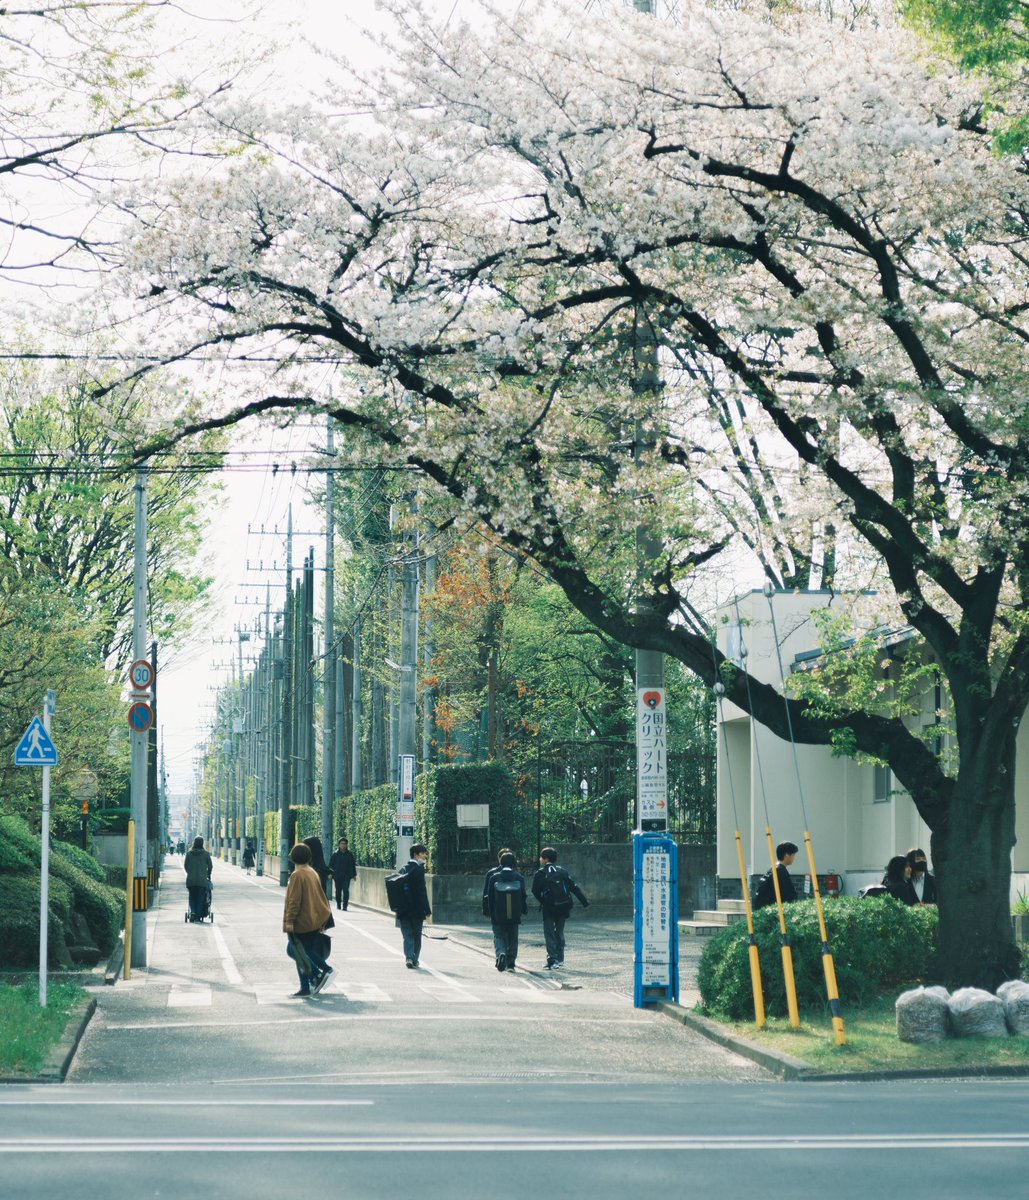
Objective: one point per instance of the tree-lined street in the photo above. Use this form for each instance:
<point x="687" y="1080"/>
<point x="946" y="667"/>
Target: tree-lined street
<point x="202" y="1075"/>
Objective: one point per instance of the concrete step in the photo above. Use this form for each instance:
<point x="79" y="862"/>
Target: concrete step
<point x="719" y="916"/>
<point x="733" y="906"/>
<point x="699" y="929"/>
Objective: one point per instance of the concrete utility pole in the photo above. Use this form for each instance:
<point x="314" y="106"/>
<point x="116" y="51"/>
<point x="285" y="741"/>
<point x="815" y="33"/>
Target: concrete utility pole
<point x="329" y="714"/>
<point x="139" y="739"/>
<point x="357" y="715"/>
<point x="286" y="724"/>
<point x="407" y="716"/>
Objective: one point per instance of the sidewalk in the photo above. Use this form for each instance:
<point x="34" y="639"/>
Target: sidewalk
<point x="599" y="954"/>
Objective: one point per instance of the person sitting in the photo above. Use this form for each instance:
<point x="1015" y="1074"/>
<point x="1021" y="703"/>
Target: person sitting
<point x="897" y="880"/>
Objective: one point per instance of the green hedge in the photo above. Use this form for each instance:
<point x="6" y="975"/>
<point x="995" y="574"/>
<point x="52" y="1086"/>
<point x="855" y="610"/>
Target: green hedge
<point x="71" y="890"/>
<point x="877" y="944"/>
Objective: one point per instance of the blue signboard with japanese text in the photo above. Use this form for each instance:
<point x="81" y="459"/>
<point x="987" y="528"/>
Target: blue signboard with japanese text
<point x="656" y="912"/>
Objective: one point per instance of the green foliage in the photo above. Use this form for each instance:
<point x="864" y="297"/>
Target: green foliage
<point x="81" y="859"/>
<point x="876" y="943"/>
<point x="72" y="890"/>
<point x="987" y="36"/>
<point x="27" y="1032"/>
<point x="368" y="820"/>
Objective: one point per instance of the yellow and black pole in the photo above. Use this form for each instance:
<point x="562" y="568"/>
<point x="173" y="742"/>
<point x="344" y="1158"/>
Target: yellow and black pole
<point x="787" y="950"/>
<point x="755" y="959"/>
<point x="828" y="965"/>
<point x="129" y="896"/>
<point x="832" y="991"/>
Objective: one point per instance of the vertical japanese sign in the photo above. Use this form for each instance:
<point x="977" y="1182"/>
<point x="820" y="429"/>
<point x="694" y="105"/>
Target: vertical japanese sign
<point x="405" y="797"/>
<point x="651" y="760"/>
<point x="656" y="930"/>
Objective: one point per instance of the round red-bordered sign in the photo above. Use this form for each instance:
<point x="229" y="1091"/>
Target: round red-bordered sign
<point x="141" y="717"/>
<point x="141" y="674"/>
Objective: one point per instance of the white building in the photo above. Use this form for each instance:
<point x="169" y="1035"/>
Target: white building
<point x="858" y="815"/>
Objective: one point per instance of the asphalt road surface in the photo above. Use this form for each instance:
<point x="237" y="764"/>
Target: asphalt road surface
<point x="201" y="1077"/>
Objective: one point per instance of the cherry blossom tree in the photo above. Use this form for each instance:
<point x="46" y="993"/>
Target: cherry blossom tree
<point x="803" y="223"/>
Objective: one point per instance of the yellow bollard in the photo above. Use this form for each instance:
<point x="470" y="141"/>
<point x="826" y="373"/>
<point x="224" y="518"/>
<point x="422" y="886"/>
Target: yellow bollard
<point x="787" y="949"/>
<point x="755" y="960"/>
<point x="129" y="888"/>
<point x="828" y="965"/>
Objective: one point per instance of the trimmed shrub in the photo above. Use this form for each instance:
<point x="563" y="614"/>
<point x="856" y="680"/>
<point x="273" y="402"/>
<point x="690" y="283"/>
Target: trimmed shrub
<point x="79" y="858"/>
<point x="19" y="849"/>
<point x="19" y="921"/>
<point x="877" y="944"/>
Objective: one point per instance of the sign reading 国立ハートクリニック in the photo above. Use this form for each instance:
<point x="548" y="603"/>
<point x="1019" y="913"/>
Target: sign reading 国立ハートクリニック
<point x="35" y="748"/>
<point x="652" y="759"/>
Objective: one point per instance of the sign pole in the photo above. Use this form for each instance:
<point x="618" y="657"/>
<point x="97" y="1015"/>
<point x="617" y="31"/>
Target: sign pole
<point x="49" y="705"/>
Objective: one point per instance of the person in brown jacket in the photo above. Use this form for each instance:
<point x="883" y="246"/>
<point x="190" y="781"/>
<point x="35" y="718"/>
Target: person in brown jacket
<point x="305" y="915"/>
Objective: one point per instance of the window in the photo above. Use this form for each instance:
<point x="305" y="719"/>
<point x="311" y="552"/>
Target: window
<point x="882" y="784"/>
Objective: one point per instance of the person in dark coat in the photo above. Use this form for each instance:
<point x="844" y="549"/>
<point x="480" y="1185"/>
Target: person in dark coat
<point x="505" y="904"/>
<point x="314" y="844"/>
<point x="410" y="922"/>
<point x="922" y="883"/>
<point x="489" y="875"/>
<point x="198" y="865"/>
<point x="343" y="869"/>
<point x="553" y="887"/>
<point x="785" y="854"/>
<point x="249" y="858"/>
<point x="897" y="880"/>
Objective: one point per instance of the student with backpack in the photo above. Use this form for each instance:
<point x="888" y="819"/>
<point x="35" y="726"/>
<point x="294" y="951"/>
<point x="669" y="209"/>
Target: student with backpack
<point x="553" y="887"/>
<point x="785" y="853"/>
<point x="409" y="899"/>
<point x="505" y="902"/>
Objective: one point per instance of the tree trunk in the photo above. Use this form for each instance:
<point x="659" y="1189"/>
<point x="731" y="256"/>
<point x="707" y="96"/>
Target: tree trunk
<point x="971" y="855"/>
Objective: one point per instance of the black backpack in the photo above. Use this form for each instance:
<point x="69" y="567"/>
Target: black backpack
<point x="557" y="897"/>
<point x="765" y="893"/>
<point x="398" y="893"/>
<point x="507" y="898"/>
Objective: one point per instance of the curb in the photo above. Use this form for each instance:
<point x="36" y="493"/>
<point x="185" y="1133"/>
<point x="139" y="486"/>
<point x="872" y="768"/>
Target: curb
<point x="55" y="1069"/>
<point x="786" y="1066"/>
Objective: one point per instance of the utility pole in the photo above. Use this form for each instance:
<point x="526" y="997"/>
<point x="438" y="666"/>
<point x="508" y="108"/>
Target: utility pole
<point x="286" y="723"/>
<point x="429" y="693"/>
<point x="357" y="715"/>
<point x="153" y="814"/>
<point x="139" y="739"/>
<point x="329" y="714"/>
<point x="407" y="715"/>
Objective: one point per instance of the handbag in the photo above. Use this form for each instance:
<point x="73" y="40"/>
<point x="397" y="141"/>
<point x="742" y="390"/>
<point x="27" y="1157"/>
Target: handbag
<point x="295" y="949"/>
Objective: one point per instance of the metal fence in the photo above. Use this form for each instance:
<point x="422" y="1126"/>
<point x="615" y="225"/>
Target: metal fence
<point x="586" y="792"/>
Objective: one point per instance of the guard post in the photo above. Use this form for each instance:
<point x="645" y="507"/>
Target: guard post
<point x="656" y="918"/>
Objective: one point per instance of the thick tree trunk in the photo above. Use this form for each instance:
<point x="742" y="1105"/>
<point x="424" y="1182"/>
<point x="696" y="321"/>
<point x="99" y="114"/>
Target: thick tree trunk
<point x="971" y="855"/>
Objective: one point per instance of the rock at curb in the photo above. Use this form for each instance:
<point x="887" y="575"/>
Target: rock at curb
<point x="88" y="956"/>
<point x="1014" y="995"/>
<point x="922" y="1015"/>
<point x="975" y="1013"/>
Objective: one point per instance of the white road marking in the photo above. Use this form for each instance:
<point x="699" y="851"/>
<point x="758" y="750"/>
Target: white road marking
<point x="535" y="1143"/>
<point x="359" y="993"/>
<point x="228" y="962"/>
<point x="448" y="995"/>
<point x="444" y="979"/>
<point x="312" y="1016"/>
<point x="189" y="997"/>
<point x="138" y="1102"/>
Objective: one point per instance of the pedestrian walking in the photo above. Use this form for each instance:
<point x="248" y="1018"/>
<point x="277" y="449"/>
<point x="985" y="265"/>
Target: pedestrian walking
<point x="249" y="858"/>
<point x="554" y="888"/>
<point x="304" y="917"/>
<point x="411" y="920"/>
<point x="785" y="853"/>
<point x="343" y="869"/>
<point x="198" y="866"/>
<point x="505" y="903"/>
<point x="318" y="863"/>
<point x="489" y="875"/>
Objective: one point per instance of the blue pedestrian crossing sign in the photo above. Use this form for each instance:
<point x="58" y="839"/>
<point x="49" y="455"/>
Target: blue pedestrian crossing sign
<point x="35" y="748"/>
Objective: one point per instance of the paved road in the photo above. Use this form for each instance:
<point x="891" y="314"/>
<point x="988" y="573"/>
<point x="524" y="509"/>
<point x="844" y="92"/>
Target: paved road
<point x="201" y="1077"/>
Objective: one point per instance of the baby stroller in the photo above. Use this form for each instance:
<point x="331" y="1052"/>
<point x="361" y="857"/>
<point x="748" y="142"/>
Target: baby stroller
<point x="208" y="910"/>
